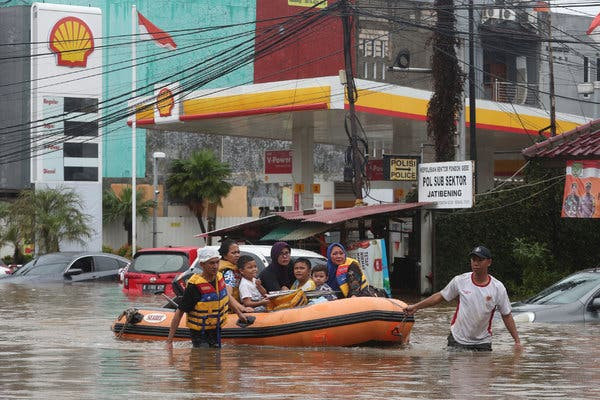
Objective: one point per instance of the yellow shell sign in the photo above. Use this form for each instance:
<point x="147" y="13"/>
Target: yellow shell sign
<point x="72" y="41"/>
<point x="165" y="102"/>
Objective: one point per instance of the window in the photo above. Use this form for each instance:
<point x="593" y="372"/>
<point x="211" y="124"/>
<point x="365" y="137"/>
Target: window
<point x="86" y="264"/>
<point x="103" y="263"/>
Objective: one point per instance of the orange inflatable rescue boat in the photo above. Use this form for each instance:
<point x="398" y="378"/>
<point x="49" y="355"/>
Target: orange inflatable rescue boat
<point x="357" y="321"/>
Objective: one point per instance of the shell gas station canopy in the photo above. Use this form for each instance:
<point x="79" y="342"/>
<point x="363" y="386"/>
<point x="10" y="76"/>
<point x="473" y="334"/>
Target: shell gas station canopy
<point x="393" y="117"/>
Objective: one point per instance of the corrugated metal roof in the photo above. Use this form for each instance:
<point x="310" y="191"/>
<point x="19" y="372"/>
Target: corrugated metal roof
<point x="280" y="226"/>
<point x="580" y="143"/>
<point x="250" y="224"/>
<point x="344" y="214"/>
<point x="295" y="231"/>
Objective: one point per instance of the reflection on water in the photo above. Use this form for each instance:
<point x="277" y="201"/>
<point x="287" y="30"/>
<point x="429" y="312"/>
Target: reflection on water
<point x="55" y="342"/>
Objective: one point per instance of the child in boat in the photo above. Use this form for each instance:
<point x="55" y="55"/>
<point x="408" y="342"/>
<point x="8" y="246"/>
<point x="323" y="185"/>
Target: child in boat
<point x="252" y="293"/>
<point x="320" y="277"/>
<point x="302" y="273"/>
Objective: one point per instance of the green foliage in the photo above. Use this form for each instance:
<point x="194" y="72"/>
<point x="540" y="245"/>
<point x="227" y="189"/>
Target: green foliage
<point x="199" y="179"/>
<point x="118" y="207"/>
<point x="50" y="216"/>
<point x="537" y="266"/>
<point x="446" y="102"/>
<point x="514" y="221"/>
<point x="107" y="249"/>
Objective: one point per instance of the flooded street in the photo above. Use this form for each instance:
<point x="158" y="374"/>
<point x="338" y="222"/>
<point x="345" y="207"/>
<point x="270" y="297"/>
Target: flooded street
<point x="56" y="343"/>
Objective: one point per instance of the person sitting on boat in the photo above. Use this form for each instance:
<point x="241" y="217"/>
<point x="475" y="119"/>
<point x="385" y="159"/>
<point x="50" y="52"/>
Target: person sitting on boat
<point x="279" y="275"/>
<point x="206" y="303"/>
<point x="252" y="293"/>
<point x="319" y="276"/>
<point x="302" y="273"/>
<point x="346" y="275"/>
<point x="230" y="253"/>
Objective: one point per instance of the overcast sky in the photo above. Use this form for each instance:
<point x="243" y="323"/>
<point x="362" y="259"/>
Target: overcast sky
<point x="591" y="10"/>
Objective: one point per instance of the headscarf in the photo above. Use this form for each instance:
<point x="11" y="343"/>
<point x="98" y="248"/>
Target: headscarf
<point x="282" y="272"/>
<point x="332" y="267"/>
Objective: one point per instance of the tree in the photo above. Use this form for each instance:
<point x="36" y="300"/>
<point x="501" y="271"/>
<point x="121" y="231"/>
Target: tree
<point x="445" y="103"/>
<point x="51" y="216"/>
<point x="199" y="180"/>
<point x="10" y="232"/>
<point x="118" y="206"/>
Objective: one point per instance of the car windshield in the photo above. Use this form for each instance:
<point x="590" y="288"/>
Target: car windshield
<point x="158" y="263"/>
<point x="50" y="264"/>
<point x="570" y="289"/>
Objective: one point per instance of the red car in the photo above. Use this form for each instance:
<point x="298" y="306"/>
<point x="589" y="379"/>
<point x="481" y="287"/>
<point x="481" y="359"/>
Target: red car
<point x="153" y="270"/>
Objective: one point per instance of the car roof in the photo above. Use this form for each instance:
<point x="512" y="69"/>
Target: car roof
<point x="265" y="250"/>
<point x="71" y="255"/>
<point x="169" y="249"/>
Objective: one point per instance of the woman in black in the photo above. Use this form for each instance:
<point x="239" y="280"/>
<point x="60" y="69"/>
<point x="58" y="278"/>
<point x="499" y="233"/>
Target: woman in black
<point x="279" y="275"/>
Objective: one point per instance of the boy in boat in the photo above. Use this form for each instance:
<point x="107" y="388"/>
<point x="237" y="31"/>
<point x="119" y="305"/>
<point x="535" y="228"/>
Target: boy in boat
<point x="252" y="292"/>
<point x="320" y="277"/>
<point x="302" y="274"/>
<point x="206" y="303"/>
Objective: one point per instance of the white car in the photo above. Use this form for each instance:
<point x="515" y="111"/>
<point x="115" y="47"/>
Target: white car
<point x="262" y="255"/>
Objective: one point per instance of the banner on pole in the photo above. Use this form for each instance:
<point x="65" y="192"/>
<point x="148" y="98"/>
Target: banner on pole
<point x="582" y="190"/>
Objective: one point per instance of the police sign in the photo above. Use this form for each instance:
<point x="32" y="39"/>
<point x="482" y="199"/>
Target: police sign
<point x="400" y="168"/>
<point x="448" y="184"/>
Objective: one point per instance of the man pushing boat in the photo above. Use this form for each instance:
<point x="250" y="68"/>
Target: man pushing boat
<point x="479" y="296"/>
<point x="206" y="303"/>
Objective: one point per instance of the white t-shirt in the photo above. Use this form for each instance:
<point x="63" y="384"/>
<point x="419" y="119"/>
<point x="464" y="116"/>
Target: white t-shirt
<point x="472" y="320"/>
<point x="248" y="289"/>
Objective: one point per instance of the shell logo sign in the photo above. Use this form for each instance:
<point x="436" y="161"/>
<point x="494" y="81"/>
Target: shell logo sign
<point x="72" y="41"/>
<point x="165" y="102"/>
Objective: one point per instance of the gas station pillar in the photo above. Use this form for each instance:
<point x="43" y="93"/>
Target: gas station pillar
<point x="302" y="162"/>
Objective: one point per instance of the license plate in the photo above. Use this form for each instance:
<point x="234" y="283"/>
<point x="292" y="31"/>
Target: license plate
<point x="152" y="288"/>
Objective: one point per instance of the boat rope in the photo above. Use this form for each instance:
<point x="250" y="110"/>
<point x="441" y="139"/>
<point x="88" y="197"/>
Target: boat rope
<point x="132" y="316"/>
<point x="396" y="331"/>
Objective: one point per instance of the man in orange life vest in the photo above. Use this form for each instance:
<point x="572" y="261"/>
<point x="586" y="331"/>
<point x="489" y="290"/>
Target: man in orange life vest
<point x="206" y="303"/>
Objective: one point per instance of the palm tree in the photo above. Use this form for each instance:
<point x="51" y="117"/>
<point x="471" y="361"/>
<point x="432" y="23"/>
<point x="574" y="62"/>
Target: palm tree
<point x="199" y="180"/>
<point x="51" y="216"/>
<point x="116" y="207"/>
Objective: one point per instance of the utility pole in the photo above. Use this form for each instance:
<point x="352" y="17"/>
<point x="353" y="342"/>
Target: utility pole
<point x="472" y="101"/>
<point x="357" y="156"/>
<point x="551" y="71"/>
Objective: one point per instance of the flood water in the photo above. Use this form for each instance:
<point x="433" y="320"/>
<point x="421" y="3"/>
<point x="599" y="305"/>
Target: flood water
<point x="56" y="343"/>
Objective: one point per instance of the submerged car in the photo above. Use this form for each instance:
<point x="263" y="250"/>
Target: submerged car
<point x="70" y="267"/>
<point x="575" y="298"/>
<point x="153" y="269"/>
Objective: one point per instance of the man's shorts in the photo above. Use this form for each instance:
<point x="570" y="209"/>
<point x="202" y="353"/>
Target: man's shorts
<point x="206" y="338"/>
<point x="473" y="347"/>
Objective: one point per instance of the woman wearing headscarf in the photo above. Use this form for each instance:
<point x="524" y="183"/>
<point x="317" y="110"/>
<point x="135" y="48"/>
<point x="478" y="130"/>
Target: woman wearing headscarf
<point x="230" y="253"/>
<point x="279" y="275"/>
<point x="345" y="273"/>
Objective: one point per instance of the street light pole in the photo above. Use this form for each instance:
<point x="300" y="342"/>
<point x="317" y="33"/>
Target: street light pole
<point x="155" y="156"/>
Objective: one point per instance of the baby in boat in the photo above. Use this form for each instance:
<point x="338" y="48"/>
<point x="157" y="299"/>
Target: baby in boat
<point x="320" y="276"/>
<point x="252" y="292"/>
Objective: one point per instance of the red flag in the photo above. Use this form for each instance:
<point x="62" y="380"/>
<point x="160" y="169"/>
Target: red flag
<point x="595" y="23"/>
<point x="160" y="37"/>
